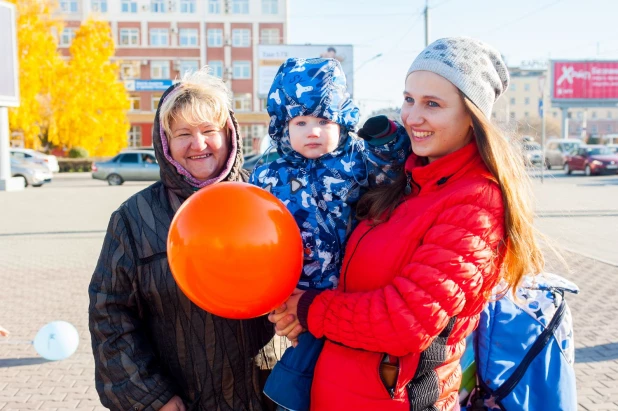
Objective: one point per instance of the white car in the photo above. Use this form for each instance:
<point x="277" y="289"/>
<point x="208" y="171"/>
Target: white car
<point x="49" y="161"/>
<point x="33" y="174"/>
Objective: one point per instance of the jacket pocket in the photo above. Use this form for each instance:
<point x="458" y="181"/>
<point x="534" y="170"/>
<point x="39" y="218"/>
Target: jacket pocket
<point x="388" y="370"/>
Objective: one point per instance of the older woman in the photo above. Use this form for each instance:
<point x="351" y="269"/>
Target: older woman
<point x="153" y="348"/>
<point x="422" y="264"/>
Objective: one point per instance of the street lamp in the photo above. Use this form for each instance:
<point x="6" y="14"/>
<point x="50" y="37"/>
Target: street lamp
<point x="367" y="61"/>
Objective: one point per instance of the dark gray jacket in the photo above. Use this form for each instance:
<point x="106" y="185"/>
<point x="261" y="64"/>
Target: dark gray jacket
<point x="149" y="341"/>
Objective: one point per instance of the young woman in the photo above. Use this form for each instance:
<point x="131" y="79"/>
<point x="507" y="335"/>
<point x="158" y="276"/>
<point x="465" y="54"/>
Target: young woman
<point x="422" y="264"/>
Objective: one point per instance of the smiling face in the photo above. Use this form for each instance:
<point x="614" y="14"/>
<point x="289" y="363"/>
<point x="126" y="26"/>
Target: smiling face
<point x="202" y="149"/>
<point x="313" y="137"/>
<point x="434" y="115"/>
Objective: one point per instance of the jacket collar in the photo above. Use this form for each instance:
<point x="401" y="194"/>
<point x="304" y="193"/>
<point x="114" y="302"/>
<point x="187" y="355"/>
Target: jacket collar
<point x="430" y="176"/>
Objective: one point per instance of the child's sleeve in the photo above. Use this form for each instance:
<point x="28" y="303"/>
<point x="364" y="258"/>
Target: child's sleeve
<point x="385" y="146"/>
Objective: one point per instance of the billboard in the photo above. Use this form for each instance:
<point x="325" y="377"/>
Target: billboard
<point x="9" y="85"/>
<point x="147" y="85"/>
<point x="270" y="57"/>
<point x="584" y="82"/>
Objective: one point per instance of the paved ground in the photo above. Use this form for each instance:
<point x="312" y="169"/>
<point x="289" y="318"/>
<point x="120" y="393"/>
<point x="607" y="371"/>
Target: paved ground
<point x="50" y="238"/>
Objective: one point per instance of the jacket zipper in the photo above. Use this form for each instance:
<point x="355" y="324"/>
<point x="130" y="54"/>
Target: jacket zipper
<point x="345" y="273"/>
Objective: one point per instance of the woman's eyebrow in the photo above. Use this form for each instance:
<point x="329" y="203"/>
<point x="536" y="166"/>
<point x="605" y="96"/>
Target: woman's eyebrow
<point x="427" y="97"/>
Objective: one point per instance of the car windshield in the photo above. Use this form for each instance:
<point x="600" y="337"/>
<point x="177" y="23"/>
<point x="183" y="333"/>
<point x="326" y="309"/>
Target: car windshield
<point x="570" y="147"/>
<point x="532" y="147"/>
<point x="599" y="151"/>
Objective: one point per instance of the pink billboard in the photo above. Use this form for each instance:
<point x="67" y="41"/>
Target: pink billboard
<point x="585" y="80"/>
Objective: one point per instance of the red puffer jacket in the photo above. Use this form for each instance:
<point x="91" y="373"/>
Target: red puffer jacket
<point x="411" y="287"/>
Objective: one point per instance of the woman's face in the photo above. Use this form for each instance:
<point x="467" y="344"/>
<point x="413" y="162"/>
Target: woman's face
<point x="202" y="150"/>
<point x="434" y="115"/>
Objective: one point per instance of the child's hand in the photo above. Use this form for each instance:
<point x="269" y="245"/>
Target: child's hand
<point x="376" y="128"/>
<point x="3" y="332"/>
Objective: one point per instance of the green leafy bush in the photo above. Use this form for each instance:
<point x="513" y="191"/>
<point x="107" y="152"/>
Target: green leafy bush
<point x="78" y="152"/>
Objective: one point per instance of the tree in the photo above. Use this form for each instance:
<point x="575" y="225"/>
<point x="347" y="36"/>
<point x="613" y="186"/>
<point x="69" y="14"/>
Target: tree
<point x="91" y="102"/>
<point x="39" y="63"/>
<point x="534" y="128"/>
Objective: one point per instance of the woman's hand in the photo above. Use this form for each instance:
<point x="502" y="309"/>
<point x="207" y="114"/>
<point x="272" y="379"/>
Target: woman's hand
<point x="174" y="404"/>
<point x="285" y="318"/>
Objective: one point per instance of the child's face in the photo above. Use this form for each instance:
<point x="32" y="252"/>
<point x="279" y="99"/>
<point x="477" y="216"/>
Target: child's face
<point x="313" y="137"/>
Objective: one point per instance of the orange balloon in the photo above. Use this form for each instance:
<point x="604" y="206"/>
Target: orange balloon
<point x="235" y="250"/>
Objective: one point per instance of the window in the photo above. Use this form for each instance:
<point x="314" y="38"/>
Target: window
<point x="157" y="6"/>
<point x="609" y="128"/>
<point x="129" y="37"/>
<point x="68" y="6"/>
<point x="512" y="115"/>
<point x="131" y="157"/>
<point x="135" y="103"/>
<point x="241" y="70"/>
<point x="241" y="38"/>
<point x="240" y="6"/>
<point x="68" y="34"/>
<point x="159" y="37"/>
<point x="128" y="6"/>
<point x="555" y="114"/>
<point x="580" y="115"/>
<point x="526" y="115"/>
<point x="609" y="114"/>
<point x="187" y="6"/>
<point x="188" y="65"/>
<point x="269" y="36"/>
<point x="215" y="38"/>
<point x="594" y="114"/>
<point x="527" y="101"/>
<point x="129" y="71"/>
<point x="148" y="159"/>
<point x="160" y="69"/>
<point x="527" y="87"/>
<point x="512" y="100"/>
<point x="594" y="129"/>
<point x="242" y="102"/>
<point x="512" y="87"/>
<point x="270" y="6"/>
<point x="154" y="101"/>
<point x="247" y="146"/>
<point x="99" y="5"/>
<point x="217" y="67"/>
<point x="214" y="6"/>
<point x="188" y="37"/>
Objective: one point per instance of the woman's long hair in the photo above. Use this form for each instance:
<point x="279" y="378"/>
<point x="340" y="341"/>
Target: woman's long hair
<point x="523" y="255"/>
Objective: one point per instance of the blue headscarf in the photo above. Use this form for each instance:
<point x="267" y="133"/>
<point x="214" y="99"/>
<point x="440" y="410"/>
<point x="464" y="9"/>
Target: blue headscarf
<point x="309" y="87"/>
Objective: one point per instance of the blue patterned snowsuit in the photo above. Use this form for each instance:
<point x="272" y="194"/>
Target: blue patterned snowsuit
<point x="320" y="193"/>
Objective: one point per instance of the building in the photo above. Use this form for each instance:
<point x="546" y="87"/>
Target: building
<point x="520" y="104"/>
<point x="157" y="40"/>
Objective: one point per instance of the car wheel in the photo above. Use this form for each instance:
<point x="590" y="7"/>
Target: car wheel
<point x="547" y="164"/>
<point x="114" y="180"/>
<point x="567" y="169"/>
<point x="588" y="171"/>
<point x="37" y="185"/>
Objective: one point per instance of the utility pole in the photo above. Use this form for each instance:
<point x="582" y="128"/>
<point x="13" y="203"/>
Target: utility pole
<point x="426" y="23"/>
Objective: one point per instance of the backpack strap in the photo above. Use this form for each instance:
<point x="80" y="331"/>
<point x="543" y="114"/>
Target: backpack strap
<point x="536" y="348"/>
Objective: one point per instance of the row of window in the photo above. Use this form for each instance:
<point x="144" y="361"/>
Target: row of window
<point x="242" y="102"/>
<point x="160" y="69"/>
<point x="185" y="6"/>
<point x="186" y="37"/>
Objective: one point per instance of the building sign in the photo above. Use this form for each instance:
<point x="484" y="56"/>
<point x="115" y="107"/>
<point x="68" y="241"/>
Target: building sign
<point x="585" y="80"/>
<point x="270" y="57"/>
<point x="147" y="85"/>
<point x="9" y="85"/>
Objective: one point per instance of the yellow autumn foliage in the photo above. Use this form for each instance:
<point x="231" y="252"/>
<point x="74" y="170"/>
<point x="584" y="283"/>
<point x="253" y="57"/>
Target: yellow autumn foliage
<point x="39" y="62"/>
<point x="92" y="103"/>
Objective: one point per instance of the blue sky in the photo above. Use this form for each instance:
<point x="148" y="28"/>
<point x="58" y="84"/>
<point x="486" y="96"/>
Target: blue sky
<point x="521" y="30"/>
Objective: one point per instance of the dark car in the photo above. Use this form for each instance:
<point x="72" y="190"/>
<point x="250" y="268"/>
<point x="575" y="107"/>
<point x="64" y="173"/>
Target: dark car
<point x="592" y="160"/>
<point x="130" y="165"/>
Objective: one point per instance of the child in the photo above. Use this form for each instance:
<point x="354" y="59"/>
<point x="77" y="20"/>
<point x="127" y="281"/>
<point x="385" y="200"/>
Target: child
<point x="321" y="174"/>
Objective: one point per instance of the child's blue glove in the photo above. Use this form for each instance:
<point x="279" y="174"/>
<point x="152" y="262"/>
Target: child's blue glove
<point x="377" y="130"/>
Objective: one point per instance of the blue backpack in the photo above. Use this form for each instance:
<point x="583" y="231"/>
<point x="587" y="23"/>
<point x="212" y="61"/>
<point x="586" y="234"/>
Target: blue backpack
<point x="521" y="355"/>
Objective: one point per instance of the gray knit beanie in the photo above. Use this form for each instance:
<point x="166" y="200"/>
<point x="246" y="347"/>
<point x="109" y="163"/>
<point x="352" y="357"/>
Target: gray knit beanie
<point x="472" y="66"/>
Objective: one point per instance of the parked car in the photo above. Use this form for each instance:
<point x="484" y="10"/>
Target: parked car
<point x="130" y="165"/>
<point x="613" y="147"/>
<point x="556" y="151"/>
<point x="33" y="174"/>
<point x="592" y="159"/>
<point x="47" y="160"/>
<point x="255" y="160"/>
<point x="533" y="153"/>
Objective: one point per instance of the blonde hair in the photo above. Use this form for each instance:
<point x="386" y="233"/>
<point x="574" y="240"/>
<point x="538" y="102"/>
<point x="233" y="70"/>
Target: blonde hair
<point x="200" y="97"/>
<point x="522" y="252"/>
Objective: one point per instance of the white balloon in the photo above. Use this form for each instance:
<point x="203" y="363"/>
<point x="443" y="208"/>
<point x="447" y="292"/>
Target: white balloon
<point x="56" y="341"/>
